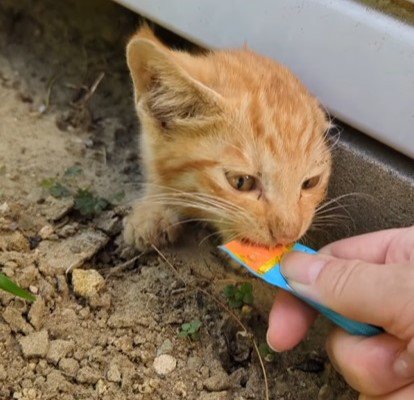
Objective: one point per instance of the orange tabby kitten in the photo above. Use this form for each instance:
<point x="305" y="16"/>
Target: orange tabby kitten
<point x="230" y="138"/>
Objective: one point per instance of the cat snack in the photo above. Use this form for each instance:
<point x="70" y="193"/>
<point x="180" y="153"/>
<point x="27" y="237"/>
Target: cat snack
<point x="265" y="264"/>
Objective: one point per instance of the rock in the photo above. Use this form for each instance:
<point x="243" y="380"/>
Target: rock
<point x="57" y="382"/>
<point x="36" y="313"/>
<point x="4" y="208"/>
<point x="238" y="376"/>
<point x="88" y="375"/>
<point x="34" y="289"/>
<point x="55" y="209"/>
<point x="100" y="301"/>
<point x="109" y="222"/>
<point x="28" y="276"/>
<point x="87" y="283"/>
<point x="16" y="321"/>
<point x="14" y="241"/>
<point x="58" y="349"/>
<point x="100" y="387"/>
<point x="68" y="230"/>
<point x="46" y="232"/>
<point x="69" y="366"/>
<point x="165" y="348"/>
<point x="164" y="364"/>
<point x="35" y="345"/>
<point x="214" y="396"/>
<point x="217" y="382"/>
<point x="194" y="363"/>
<point x="325" y="393"/>
<point x="57" y="257"/>
<point x="113" y="374"/>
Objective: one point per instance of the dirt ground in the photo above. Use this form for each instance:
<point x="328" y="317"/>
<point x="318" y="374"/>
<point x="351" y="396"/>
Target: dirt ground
<point x="111" y="332"/>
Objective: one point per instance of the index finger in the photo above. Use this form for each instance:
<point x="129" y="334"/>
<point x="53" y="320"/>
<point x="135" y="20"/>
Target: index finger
<point x="370" y="247"/>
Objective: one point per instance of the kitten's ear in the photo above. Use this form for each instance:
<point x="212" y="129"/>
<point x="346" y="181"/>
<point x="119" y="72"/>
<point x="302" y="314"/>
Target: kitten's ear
<point x="164" y="88"/>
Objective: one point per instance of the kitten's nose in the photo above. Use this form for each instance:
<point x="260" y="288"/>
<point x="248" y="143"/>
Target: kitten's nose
<point x="284" y="235"/>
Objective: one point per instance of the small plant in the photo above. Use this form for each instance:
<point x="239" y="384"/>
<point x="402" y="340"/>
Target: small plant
<point x="240" y="295"/>
<point x="9" y="286"/>
<point x="73" y="171"/>
<point x="85" y="200"/>
<point x="55" y="188"/>
<point x="88" y="204"/>
<point x="267" y="353"/>
<point x="191" y="329"/>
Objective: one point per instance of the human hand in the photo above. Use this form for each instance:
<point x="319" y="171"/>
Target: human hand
<point x="369" y="278"/>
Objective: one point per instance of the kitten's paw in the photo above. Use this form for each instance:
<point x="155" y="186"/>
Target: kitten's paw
<point x="147" y="225"/>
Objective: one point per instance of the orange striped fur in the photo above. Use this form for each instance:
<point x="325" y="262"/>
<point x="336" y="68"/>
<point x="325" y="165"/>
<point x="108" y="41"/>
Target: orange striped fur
<point x="224" y="111"/>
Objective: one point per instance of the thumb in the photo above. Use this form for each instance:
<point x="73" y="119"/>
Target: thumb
<point x="378" y="294"/>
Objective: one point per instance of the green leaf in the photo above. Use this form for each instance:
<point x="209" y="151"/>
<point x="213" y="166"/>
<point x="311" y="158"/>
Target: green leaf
<point x="246" y="287"/>
<point x="58" y="190"/>
<point x="248" y="298"/>
<point x="47" y="183"/>
<point x="195" y="325"/>
<point x="229" y="291"/>
<point x="73" y="171"/>
<point x="88" y="204"/>
<point x="183" y="334"/>
<point x="239" y="295"/>
<point x="186" y="327"/>
<point x="10" y="287"/>
<point x="267" y="353"/>
<point x="235" y="303"/>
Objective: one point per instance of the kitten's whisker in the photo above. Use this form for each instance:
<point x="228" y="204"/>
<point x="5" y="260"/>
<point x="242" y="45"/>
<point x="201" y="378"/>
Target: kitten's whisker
<point x="332" y="208"/>
<point x="332" y="217"/>
<point x="214" y="234"/>
<point x="224" y="215"/>
<point x="203" y="197"/>
<point x="186" y="221"/>
<point x="336" y="199"/>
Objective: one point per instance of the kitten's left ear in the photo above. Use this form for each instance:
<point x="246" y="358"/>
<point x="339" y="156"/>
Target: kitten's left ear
<point x="164" y="89"/>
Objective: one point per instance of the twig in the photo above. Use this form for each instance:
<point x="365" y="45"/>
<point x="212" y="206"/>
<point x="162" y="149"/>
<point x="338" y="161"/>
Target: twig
<point x="228" y="310"/>
<point x="93" y="88"/>
<point x="50" y="85"/>
<point x="125" y="265"/>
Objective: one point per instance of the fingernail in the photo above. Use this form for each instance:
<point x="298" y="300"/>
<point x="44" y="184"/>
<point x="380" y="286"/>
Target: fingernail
<point x="300" y="268"/>
<point x="404" y="365"/>
<point x="270" y="345"/>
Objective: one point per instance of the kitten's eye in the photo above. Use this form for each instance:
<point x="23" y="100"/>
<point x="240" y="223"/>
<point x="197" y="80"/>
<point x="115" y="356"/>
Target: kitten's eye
<point x="311" y="182"/>
<point x="244" y="183"/>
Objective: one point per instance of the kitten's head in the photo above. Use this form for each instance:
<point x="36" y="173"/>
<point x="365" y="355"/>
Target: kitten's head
<point x="237" y="129"/>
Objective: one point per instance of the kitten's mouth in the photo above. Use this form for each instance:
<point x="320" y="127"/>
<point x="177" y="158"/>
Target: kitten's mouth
<point x="249" y="242"/>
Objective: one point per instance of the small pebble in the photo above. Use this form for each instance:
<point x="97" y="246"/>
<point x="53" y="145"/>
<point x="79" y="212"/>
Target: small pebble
<point x="165" y="348"/>
<point x="46" y="232"/>
<point x="164" y="364"/>
<point x="217" y="382"/>
<point x="36" y="313"/>
<point x="87" y="283"/>
<point x="34" y="289"/>
<point x="59" y="349"/>
<point x="113" y="373"/>
<point x="35" y="345"/>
